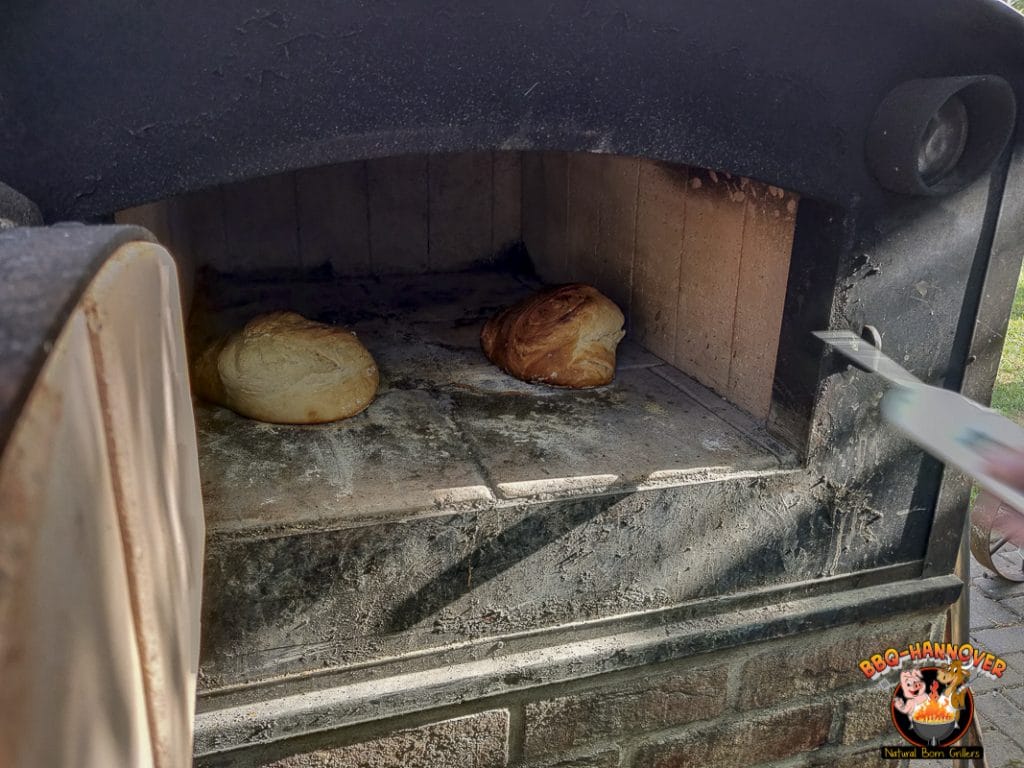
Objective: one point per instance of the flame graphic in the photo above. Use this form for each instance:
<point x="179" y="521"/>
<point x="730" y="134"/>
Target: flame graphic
<point x="934" y="711"/>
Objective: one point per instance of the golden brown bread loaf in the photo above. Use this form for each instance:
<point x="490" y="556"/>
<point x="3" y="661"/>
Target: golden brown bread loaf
<point x="285" y="369"/>
<point x="565" y="336"/>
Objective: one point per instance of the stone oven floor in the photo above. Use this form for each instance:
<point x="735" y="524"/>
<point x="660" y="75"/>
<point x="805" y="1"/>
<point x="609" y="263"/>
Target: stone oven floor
<point x="449" y="430"/>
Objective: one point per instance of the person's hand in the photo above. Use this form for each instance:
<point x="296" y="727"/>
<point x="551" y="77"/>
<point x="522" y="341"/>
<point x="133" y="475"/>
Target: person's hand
<point x="1008" y="467"/>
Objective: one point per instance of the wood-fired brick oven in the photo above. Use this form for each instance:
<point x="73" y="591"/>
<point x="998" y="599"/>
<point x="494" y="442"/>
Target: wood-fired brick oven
<point x="413" y="254"/>
<point x="685" y="565"/>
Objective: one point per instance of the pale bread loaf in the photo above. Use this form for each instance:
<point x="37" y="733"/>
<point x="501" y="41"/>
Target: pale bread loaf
<point x="564" y="336"/>
<point x="285" y="369"/>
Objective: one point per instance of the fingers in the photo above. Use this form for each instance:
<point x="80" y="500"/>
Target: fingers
<point x="1007" y="466"/>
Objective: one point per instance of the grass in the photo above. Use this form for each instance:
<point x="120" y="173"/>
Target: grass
<point x="1008" y="394"/>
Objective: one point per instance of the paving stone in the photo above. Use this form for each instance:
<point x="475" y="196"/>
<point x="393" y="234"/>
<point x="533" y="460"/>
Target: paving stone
<point x="999" y="703"/>
<point x="1015" y="604"/>
<point x="1001" y="640"/>
<point x="1001" y="752"/>
<point x="987" y="613"/>
<point x="1016" y="695"/>
<point x="998" y="712"/>
<point x="998" y="588"/>
<point x="1012" y="677"/>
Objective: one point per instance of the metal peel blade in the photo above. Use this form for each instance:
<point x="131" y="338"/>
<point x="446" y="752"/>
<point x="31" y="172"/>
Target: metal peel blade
<point x="946" y="424"/>
<point x="867" y="356"/>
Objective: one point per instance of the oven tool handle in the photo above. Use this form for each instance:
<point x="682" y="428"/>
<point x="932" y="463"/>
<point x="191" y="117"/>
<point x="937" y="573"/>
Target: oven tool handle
<point x="946" y="424"/>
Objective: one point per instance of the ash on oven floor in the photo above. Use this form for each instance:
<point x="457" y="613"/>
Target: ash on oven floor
<point x="448" y="429"/>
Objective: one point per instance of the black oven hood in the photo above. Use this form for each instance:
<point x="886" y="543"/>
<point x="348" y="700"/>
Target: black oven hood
<point x="111" y="104"/>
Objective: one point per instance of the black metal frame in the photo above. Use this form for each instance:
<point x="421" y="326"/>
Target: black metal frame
<point x="107" y="104"/>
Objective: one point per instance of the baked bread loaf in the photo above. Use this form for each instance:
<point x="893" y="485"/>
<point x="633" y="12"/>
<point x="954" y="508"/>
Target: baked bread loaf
<point x="564" y="336"/>
<point x="285" y="369"/>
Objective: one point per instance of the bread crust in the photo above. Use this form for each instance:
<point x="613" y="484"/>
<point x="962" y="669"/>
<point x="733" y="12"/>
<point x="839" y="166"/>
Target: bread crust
<point x="285" y="369"/>
<point x="564" y="336"/>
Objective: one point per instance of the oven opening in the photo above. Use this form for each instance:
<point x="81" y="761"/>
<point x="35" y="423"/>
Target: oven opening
<point x="414" y="253"/>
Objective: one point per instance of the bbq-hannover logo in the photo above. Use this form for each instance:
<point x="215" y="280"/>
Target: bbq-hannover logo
<point x="931" y="705"/>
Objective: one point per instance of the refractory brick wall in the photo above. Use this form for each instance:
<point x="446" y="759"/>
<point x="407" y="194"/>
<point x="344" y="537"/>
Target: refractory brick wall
<point x="698" y="260"/>
<point x="752" y="706"/>
<point x="395" y="215"/>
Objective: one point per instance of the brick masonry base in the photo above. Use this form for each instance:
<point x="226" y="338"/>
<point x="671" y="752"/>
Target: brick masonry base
<point x="799" y="702"/>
